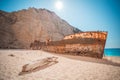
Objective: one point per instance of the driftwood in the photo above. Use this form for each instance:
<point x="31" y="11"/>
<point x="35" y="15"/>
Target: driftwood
<point x="38" y="65"/>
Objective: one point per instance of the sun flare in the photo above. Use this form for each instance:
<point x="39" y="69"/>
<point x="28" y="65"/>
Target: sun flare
<point x="59" y="5"/>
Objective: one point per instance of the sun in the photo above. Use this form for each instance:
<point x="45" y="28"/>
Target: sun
<point x="59" y="5"/>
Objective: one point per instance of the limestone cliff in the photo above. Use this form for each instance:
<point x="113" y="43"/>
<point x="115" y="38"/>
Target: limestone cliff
<point x="18" y="29"/>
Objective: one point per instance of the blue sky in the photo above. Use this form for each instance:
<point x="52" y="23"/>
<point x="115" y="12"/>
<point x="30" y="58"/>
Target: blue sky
<point x="87" y="15"/>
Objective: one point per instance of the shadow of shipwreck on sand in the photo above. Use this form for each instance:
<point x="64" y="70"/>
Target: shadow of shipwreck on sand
<point x="89" y="59"/>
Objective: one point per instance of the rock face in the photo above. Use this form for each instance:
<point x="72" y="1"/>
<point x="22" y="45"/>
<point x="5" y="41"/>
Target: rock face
<point x="19" y="29"/>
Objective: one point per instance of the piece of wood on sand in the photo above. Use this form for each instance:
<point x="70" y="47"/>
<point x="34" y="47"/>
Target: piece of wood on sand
<point x="38" y="65"/>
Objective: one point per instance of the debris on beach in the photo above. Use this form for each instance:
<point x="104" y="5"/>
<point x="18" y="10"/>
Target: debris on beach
<point x="11" y="55"/>
<point x="38" y="65"/>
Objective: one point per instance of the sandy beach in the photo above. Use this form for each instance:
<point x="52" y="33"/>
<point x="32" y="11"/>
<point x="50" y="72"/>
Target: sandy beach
<point x="66" y="69"/>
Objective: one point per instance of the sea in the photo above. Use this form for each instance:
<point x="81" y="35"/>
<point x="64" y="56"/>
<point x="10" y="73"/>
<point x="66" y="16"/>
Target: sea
<point x="112" y="52"/>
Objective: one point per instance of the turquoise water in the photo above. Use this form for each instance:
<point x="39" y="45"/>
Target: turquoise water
<point x="112" y="52"/>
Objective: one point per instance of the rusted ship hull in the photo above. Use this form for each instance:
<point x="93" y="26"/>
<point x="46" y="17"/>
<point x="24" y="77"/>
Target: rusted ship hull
<point x="84" y="44"/>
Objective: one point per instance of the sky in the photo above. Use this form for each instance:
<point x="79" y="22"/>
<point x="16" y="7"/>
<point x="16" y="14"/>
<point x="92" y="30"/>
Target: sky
<point x="87" y="15"/>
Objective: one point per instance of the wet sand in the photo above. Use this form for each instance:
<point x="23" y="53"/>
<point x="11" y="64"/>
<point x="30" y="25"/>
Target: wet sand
<point x="67" y="68"/>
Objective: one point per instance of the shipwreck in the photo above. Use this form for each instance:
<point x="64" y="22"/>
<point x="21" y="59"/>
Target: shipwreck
<point x="89" y="44"/>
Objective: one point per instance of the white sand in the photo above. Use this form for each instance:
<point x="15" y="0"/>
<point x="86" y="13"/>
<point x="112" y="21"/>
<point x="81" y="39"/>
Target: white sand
<point x="113" y="59"/>
<point x="66" y="69"/>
